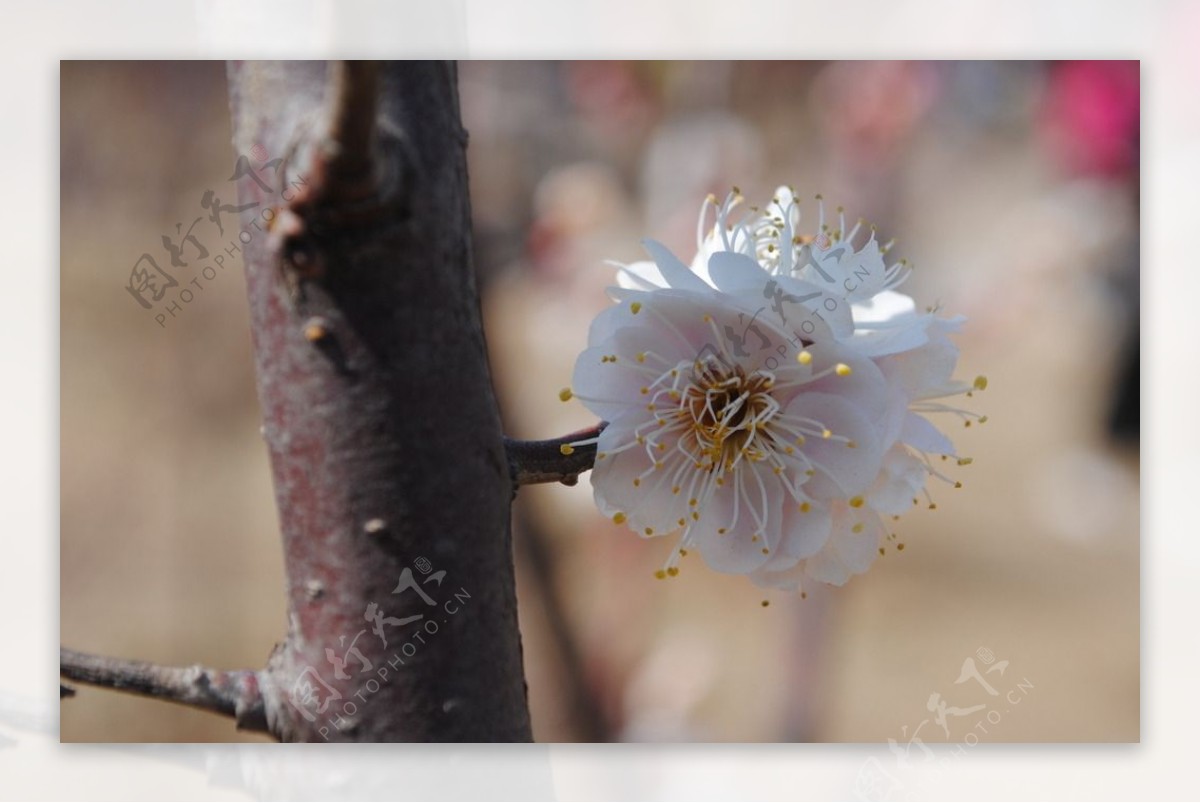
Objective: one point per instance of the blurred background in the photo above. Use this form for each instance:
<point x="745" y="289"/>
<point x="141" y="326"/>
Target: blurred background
<point x="1012" y="614"/>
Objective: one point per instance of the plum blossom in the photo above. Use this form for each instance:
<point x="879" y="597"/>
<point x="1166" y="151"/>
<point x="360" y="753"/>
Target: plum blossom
<point x="767" y="404"/>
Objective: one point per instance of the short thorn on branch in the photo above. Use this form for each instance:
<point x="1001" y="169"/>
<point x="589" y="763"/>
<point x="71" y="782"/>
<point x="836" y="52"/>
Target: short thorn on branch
<point x="554" y="460"/>
<point x="234" y="693"/>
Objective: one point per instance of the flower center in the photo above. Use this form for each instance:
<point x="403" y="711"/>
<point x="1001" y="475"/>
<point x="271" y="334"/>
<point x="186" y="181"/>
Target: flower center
<point x="724" y="409"/>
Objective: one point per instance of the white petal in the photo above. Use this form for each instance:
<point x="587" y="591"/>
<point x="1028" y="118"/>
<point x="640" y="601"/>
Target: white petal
<point x="737" y="273"/>
<point x="804" y="533"/>
<point x="640" y="276"/>
<point x="902" y="478"/>
<point x="847" y="552"/>
<point x="740" y="549"/>
<point x="919" y="433"/>
<point x="611" y="390"/>
<point x="676" y="274"/>
<point x="884" y="307"/>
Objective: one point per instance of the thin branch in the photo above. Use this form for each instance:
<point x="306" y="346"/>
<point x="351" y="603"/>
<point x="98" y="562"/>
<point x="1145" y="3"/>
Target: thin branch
<point x="234" y="694"/>
<point x="586" y="710"/>
<point x="532" y="462"/>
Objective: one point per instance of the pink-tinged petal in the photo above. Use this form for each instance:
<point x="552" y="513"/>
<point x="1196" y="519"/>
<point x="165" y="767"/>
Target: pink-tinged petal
<point x="865" y="386"/>
<point x="645" y="503"/>
<point x="610" y="390"/>
<point x="804" y="532"/>
<point x="618" y="316"/>
<point x="850" y="470"/>
<point x="847" y="552"/>
<point x="920" y="434"/>
<point x="740" y="548"/>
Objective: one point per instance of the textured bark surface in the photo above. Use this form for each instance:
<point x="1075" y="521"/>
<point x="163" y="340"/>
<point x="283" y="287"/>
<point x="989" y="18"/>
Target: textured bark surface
<point x="378" y="410"/>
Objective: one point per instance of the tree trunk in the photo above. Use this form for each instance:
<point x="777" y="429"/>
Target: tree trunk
<point x="388" y="459"/>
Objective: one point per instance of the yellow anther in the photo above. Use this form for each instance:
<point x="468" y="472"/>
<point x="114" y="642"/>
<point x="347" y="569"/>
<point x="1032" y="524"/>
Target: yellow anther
<point x="683" y="553"/>
<point x="641" y="357"/>
<point x="827" y="434"/>
<point x="981" y="382"/>
<point x="899" y="546"/>
<point x="843" y="369"/>
<point x="857" y="528"/>
<point x="965" y="461"/>
<point x="693" y="501"/>
<point x="805" y="507"/>
<point x="649" y="531"/>
<point x="637" y="481"/>
<point x="721" y="531"/>
<point x="660" y="574"/>
<point x="856" y="501"/>
<point x="800" y="441"/>
<point x="957" y="484"/>
<point x="566" y="448"/>
<point x="933" y="505"/>
<point x="635" y="307"/>
<point x="618" y="518"/>
<point x="851" y="444"/>
<point x="804" y="358"/>
<point x="673" y="571"/>
<point x="983" y="419"/>
<point x="682" y="522"/>
<point x="675" y="490"/>
<point x="881" y="551"/>
<point x="565" y="394"/>
<point x="766" y="551"/>
<point x="766" y="602"/>
<point x="645" y="391"/>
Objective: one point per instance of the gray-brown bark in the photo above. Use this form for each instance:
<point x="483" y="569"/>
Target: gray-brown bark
<point x="392" y="478"/>
<point x="378" y="410"/>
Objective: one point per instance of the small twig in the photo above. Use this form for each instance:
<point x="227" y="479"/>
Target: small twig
<point x="532" y="462"/>
<point x="354" y="105"/>
<point x="235" y="694"/>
